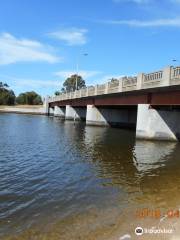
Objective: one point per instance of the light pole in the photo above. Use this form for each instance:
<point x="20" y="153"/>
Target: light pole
<point x="77" y="69"/>
<point x="175" y="60"/>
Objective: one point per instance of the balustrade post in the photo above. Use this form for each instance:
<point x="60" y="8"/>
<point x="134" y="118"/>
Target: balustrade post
<point x="140" y="78"/>
<point x="120" y="88"/>
<point x="106" y="87"/>
<point x="96" y="90"/>
<point x="166" y="76"/>
<point x="87" y="92"/>
<point x="75" y="92"/>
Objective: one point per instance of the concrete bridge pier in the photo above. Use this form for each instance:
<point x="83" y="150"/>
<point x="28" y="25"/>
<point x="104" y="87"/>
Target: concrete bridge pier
<point x="95" y="117"/>
<point x="158" y="123"/>
<point x="59" y="111"/>
<point x="51" y="111"/>
<point x="46" y="105"/>
<point x="111" y="116"/>
<point x="75" y="113"/>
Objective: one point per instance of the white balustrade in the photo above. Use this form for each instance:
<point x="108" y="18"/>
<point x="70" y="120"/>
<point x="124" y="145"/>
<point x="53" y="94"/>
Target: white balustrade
<point x="101" y="89"/>
<point x="165" y="77"/>
<point x="153" y="77"/>
<point x="91" y="91"/>
<point x="113" y="86"/>
<point x="129" y="83"/>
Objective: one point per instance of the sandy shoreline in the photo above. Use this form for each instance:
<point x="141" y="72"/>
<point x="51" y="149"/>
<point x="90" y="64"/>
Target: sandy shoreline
<point x="23" y="109"/>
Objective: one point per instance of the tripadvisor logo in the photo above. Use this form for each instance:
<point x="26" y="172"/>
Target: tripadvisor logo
<point x="153" y="230"/>
<point x="139" y="231"/>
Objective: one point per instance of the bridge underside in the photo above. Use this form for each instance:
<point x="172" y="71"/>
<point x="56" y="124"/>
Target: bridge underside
<point x="154" y="114"/>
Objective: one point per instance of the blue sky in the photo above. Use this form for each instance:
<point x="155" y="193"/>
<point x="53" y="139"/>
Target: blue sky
<point x="41" y="40"/>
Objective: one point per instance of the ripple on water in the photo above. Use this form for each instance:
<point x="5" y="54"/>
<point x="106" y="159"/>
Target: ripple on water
<point x="60" y="181"/>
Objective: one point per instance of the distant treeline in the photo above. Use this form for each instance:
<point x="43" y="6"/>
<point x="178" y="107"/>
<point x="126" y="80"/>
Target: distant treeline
<point x="7" y="97"/>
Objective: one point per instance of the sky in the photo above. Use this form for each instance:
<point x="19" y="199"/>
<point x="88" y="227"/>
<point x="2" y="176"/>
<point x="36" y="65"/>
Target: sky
<point x="43" y="41"/>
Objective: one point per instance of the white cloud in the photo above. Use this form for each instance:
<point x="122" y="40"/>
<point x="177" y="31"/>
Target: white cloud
<point x="174" y="22"/>
<point x="133" y="1"/>
<point x="72" y="36"/>
<point x="14" y="50"/>
<point x="175" y="1"/>
<point x="85" y="74"/>
<point x="29" y="83"/>
<point x="37" y="83"/>
<point x="105" y="79"/>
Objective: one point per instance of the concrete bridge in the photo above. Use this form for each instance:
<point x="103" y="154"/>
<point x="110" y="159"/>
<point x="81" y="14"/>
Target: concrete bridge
<point x="150" y="103"/>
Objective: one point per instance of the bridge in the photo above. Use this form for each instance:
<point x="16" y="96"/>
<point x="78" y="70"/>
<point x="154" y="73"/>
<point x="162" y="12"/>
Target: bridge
<point x="150" y="103"/>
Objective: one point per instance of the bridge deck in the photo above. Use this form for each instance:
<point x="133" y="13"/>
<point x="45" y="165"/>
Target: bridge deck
<point x="155" y="96"/>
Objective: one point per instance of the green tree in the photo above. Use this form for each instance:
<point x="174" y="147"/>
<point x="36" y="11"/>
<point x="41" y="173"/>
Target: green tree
<point x="3" y="86"/>
<point x="21" y="99"/>
<point x="29" y="98"/>
<point x="7" y="97"/>
<point x="70" y="83"/>
<point x="57" y="93"/>
<point x="37" y="100"/>
<point x="114" y="79"/>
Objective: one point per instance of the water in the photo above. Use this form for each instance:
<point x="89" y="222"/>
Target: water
<point x="60" y="181"/>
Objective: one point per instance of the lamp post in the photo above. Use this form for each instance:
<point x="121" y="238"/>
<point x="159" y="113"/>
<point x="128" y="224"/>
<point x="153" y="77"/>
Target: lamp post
<point x="175" y="61"/>
<point x="77" y="69"/>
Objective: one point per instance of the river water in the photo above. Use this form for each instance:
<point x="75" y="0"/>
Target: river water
<point x="64" y="182"/>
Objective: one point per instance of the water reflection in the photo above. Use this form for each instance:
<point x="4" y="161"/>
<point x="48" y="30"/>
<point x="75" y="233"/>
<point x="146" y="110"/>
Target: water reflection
<point x="53" y="172"/>
<point x="148" y="155"/>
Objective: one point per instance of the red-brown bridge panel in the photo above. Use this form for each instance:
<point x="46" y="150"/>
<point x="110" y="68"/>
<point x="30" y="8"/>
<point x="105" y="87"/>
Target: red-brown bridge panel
<point x="102" y="101"/>
<point x="163" y="97"/>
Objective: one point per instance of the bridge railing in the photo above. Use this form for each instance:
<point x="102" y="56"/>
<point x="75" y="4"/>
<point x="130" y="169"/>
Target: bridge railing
<point x="91" y="91"/>
<point x="152" y="79"/>
<point x="113" y="86"/>
<point x="129" y="83"/>
<point x="175" y="75"/>
<point x="101" y="89"/>
<point x="83" y="92"/>
<point x="167" y="76"/>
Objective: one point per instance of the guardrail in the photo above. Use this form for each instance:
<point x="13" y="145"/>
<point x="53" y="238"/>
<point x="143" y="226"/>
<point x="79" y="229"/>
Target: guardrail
<point x="166" y="77"/>
<point x="153" y="77"/>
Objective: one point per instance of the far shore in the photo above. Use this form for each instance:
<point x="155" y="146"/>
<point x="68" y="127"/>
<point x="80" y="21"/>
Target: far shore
<point x="26" y="109"/>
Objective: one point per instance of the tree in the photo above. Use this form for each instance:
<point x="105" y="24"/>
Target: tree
<point x="7" y="97"/>
<point x="114" y="79"/>
<point x="3" y="86"/>
<point x="70" y="83"/>
<point x="37" y="100"/>
<point x="21" y="99"/>
<point x="57" y="93"/>
<point x="29" y="98"/>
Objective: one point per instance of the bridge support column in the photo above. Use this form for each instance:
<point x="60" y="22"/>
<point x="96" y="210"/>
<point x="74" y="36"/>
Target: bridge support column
<point x="46" y="106"/>
<point x="75" y="113"/>
<point x="112" y="116"/>
<point x="51" y="111"/>
<point x="59" y="111"/>
<point x="94" y="116"/>
<point x="158" y="124"/>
